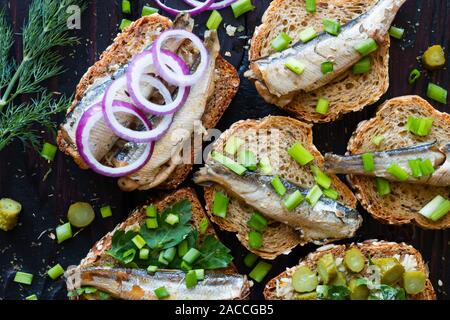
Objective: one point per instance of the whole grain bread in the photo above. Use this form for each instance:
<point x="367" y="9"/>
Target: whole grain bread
<point x="344" y="94"/>
<point x="271" y="137"/>
<point x="372" y="248"/>
<point x="126" y="45"/>
<point x="403" y="204"/>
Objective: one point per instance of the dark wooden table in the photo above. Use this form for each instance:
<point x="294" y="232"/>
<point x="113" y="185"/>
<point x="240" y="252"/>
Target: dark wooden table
<point x="29" y="248"/>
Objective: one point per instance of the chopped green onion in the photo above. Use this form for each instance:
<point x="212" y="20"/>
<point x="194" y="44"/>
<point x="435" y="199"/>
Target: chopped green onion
<point x="308" y="34"/>
<point x="397" y="172"/>
<point x="314" y="195"/>
<point x="257" y="222"/>
<point x="214" y="20"/>
<point x="172" y="219"/>
<point x="233" y="145"/>
<point x="295" y="66"/>
<point x="366" y="47"/>
<point x="192" y="255"/>
<point x="383" y="187"/>
<point x="124" y="23"/>
<point x="23" y="278"/>
<point x="170" y="254"/>
<point x="161" y="258"/>
<point x="310" y="6"/>
<point x="138" y="241"/>
<point x="377" y="140"/>
<point x="106" y="212"/>
<point x="362" y="66"/>
<point x="368" y="162"/>
<point x="55" y="272"/>
<point x="278" y="186"/>
<point x="248" y="160"/>
<point x="327" y="67"/>
<point x="264" y="166"/>
<point x="151" y="223"/>
<point x="294" y="200"/>
<point x="151" y="212"/>
<point x="321" y="178"/>
<point x="250" y="260"/>
<point x="161" y="292"/>
<point x="427" y="168"/>
<point x="436" y="209"/>
<point x="229" y="163"/>
<point x="242" y="6"/>
<point x="331" y="26"/>
<point x="260" y="271"/>
<point x="126" y="6"/>
<point x="152" y="269"/>
<point x="331" y="193"/>
<point x="300" y="154"/>
<point x="322" y="106"/>
<point x="437" y="93"/>
<point x="147" y="10"/>
<point x="49" y="151"/>
<point x="203" y="225"/>
<point x="396" y="33"/>
<point x="220" y="204"/>
<point x="414" y="76"/>
<point x="419" y="126"/>
<point x="415" y="167"/>
<point x="200" y="273"/>
<point x="255" y="239"/>
<point x="191" y="279"/>
<point x="63" y="232"/>
<point x="31" y="297"/>
<point x="144" y="253"/>
<point x="183" y="248"/>
<point x="185" y="266"/>
<point x="281" y="42"/>
<point x="128" y="256"/>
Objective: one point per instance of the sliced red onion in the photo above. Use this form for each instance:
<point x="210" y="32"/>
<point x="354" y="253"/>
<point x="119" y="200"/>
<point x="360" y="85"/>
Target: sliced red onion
<point x="215" y="6"/>
<point x="161" y="61"/>
<point x="88" y="121"/>
<point x="203" y="6"/>
<point x="108" y="107"/>
<point x="136" y="75"/>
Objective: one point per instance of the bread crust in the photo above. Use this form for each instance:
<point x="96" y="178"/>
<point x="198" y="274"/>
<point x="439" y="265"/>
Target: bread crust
<point x="372" y="248"/>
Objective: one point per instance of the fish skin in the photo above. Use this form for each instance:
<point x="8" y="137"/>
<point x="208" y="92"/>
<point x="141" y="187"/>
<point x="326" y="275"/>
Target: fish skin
<point x="440" y="157"/>
<point x="138" y="284"/>
<point x="275" y="79"/>
<point x="327" y="221"/>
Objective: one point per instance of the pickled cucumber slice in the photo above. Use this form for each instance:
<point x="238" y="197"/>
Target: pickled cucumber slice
<point x="326" y="268"/>
<point x="9" y="213"/>
<point x="390" y="268"/>
<point x="434" y="57"/>
<point x="80" y="214"/>
<point x="354" y="260"/>
<point x="339" y="280"/>
<point x="304" y="280"/>
<point x="414" y="281"/>
<point x="306" y="296"/>
<point x="359" y="290"/>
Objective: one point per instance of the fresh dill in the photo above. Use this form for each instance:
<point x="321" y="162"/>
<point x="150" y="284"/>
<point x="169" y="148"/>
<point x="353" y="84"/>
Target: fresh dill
<point x="44" y="31"/>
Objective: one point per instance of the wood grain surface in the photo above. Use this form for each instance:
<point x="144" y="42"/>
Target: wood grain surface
<point x="29" y="246"/>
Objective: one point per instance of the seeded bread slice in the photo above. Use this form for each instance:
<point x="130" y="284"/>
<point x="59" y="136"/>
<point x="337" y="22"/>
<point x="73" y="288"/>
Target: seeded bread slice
<point x="344" y="94"/>
<point x="403" y="204"/>
<point x="370" y="248"/>
<point x="282" y="133"/>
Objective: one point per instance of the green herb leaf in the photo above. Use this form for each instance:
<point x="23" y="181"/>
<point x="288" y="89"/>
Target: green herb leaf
<point x="121" y="243"/>
<point x="214" y="254"/>
<point x="338" y="293"/>
<point x="388" y="293"/>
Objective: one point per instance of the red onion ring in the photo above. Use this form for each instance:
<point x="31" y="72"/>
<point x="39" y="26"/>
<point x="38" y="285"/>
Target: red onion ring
<point x="108" y="108"/>
<point x="203" y="6"/>
<point x="161" y="61"/>
<point x="88" y="121"/>
<point x="215" y="6"/>
<point x="135" y="75"/>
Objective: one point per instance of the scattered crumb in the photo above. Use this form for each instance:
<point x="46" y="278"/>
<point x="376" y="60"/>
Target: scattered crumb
<point x="227" y="54"/>
<point x="231" y="30"/>
<point x="52" y="236"/>
<point x="440" y="283"/>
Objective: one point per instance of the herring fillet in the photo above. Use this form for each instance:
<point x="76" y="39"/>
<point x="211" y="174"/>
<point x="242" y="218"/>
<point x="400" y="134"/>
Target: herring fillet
<point x="327" y="220"/>
<point x="137" y="284"/>
<point x="167" y="149"/>
<point x="439" y="157"/>
<point x="271" y="73"/>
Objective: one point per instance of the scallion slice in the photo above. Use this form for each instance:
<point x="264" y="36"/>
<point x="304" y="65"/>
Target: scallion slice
<point x="63" y="232"/>
<point x="322" y="106"/>
<point x="327" y="67"/>
<point x="161" y="293"/>
<point x="331" y="26"/>
<point x="396" y="33"/>
<point x="331" y="193"/>
<point x="220" y="204"/>
<point x="169" y="254"/>
<point x="278" y="186"/>
<point x="419" y="126"/>
<point x="214" y="20"/>
<point x="437" y="93"/>
<point x="161" y="259"/>
<point x="124" y="23"/>
<point x="436" y="209"/>
<point x="151" y="223"/>
<point x="106" y="212"/>
<point x="126" y="6"/>
<point x="366" y="47"/>
<point x="128" y="256"/>
<point x="152" y="269"/>
<point x="191" y="279"/>
<point x="147" y="10"/>
<point x="23" y="278"/>
<point x="144" y="253"/>
<point x="32" y="297"/>
<point x="314" y="195"/>
<point x="362" y="66"/>
<point x="397" y="172"/>
<point x="414" y="76"/>
<point x="200" y="273"/>
<point x="310" y="6"/>
<point x="248" y="160"/>
<point x="242" y="6"/>
<point x="294" y="200"/>
<point x="49" y="151"/>
<point x="191" y="256"/>
<point x="229" y="163"/>
<point x="321" y="178"/>
<point x="308" y="34"/>
<point x="55" y="272"/>
<point x="383" y="187"/>
<point x="233" y="145"/>
<point x="183" y="248"/>
<point x="138" y="241"/>
<point x="295" y="66"/>
<point x="414" y="165"/>
<point x="264" y="166"/>
<point x="377" y="140"/>
<point x="255" y="240"/>
<point x="151" y="212"/>
<point x="299" y="153"/>
<point x="185" y="266"/>
<point x="368" y="162"/>
<point x="257" y="222"/>
<point x="172" y="219"/>
<point x="250" y="260"/>
<point x="260" y="271"/>
<point x="203" y="225"/>
<point x="426" y="166"/>
<point x="281" y="42"/>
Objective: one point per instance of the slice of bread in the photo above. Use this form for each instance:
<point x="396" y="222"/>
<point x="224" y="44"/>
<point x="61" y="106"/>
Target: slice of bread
<point x="126" y="45"/>
<point x="282" y="133"/>
<point x="372" y="248"/>
<point x="403" y="204"/>
<point x="344" y="94"/>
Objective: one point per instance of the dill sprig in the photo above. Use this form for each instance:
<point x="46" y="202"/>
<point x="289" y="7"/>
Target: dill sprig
<point x="44" y="31"/>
